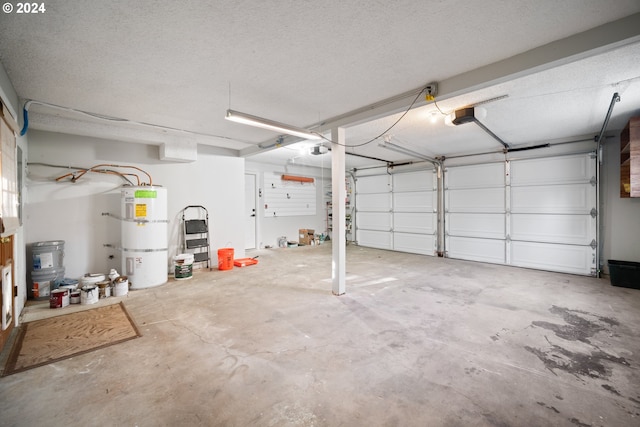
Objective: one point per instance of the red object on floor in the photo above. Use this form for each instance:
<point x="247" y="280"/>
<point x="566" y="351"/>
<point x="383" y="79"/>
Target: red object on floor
<point x="242" y="262"/>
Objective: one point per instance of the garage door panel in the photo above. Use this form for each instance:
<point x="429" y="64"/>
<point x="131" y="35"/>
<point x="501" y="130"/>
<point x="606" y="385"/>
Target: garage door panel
<point x="374" y="221"/>
<point x="414" y="222"/>
<point x="424" y="244"/>
<point x="486" y="250"/>
<point x="562" y="258"/>
<point x="563" y="170"/>
<point x="490" y="226"/>
<point x="476" y="200"/>
<point x="373" y="184"/>
<point x="422" y="201"/>
<point x="475" y="176"/>
<point x="566" y="229"/>
<point x="414" y="181"/>
<point x="373" y="202"/>
<point x="374" y="239"/>
<point x="556" y="199"/>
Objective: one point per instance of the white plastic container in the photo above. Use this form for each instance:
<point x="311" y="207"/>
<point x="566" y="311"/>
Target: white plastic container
<point x="183" y="266"/>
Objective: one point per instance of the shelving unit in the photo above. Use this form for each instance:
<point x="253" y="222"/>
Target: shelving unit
<point x="348" y="208"/>
<point x="630" y="159"/>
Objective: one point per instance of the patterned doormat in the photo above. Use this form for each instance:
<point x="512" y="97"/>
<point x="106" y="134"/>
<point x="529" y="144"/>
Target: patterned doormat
<point x="50" y="340"/>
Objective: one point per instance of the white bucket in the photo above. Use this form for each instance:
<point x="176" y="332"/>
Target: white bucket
<point x="120" y="286"/>
<point x="89" y="294"/>
<point x="91" y="279"/>
<point x="48" y="254"/>
<point x="183" y="264"/>
<point x="44" y="281"/>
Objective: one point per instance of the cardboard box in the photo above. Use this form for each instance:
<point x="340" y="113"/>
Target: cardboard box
<point x="305" y="236"/>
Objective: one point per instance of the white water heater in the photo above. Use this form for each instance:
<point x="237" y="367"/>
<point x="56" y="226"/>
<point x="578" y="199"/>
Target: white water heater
<point x="144" y="236"/>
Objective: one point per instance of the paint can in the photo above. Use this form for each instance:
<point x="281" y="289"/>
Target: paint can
<point x="120" y="286"/>
<point x="44" y="281"/>
<point x="59" y="298"/>
<point x="74" y="297"/>
<point x="48" y="254"/>
<point x="104" y="289"/>
<point x="69" y="284"/>
<point x="89" y="294"/>
<point x="183" y="265"/>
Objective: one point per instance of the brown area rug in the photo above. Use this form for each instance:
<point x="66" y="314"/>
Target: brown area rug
<point x="49" y="340"/>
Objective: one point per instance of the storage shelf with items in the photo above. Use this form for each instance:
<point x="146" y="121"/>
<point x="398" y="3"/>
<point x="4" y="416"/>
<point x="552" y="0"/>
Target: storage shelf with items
<point x="630" y="159"/>
<point x="348" y="210"/>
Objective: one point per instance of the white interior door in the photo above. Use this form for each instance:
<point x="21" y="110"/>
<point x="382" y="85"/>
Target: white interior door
<point x="250" y="211"/>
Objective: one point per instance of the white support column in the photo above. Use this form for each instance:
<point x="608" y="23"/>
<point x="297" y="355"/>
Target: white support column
<point x="339" y="194"/>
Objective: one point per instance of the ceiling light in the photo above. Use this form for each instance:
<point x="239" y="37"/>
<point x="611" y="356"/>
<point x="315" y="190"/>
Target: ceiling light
<point x="250" y="120"/>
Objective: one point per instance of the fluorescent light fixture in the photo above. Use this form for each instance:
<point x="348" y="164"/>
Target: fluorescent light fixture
<point x="250" y="120"/>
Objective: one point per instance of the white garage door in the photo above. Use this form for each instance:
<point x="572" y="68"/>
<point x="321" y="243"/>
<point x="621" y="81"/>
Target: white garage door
<point x="397" y="212"/>
<point x="553" y="214"/>
<point x="475" y="212"/>
<point x="537" y="213"/>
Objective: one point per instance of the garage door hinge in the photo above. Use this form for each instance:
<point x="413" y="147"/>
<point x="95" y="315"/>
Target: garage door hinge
<point x="594" y="212"/>
<point x="593" y="181"/>
<point x="593" y="244"/>
<point x="508" y="237"/>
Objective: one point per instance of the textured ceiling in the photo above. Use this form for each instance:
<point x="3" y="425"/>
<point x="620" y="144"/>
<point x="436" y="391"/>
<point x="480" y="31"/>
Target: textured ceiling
<point x="180" y="65"/>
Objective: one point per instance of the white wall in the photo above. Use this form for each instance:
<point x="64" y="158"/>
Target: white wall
<point x="73" y="211"/>
<point x="10" y="98"/>
<point x="620" y="216"/>
<point x="269" y="228"/>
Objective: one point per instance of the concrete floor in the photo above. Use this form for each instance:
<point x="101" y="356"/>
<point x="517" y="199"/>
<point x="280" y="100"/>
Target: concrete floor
<point x="415" y="341"/>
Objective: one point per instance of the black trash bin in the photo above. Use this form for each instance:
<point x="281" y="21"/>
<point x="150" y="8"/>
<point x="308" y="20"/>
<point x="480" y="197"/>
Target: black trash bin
<point x="625" y="273"/>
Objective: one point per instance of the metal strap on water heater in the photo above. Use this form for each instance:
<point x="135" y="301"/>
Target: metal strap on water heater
<point x="145" y="221"/>
<point x="118" y="248"/>
<point x="143" y="250"/>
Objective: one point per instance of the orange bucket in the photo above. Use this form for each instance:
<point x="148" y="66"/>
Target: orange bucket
<point x="225" y="259"/>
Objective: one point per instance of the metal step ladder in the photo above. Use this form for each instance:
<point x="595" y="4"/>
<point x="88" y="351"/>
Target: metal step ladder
<point x="195" y="221"/>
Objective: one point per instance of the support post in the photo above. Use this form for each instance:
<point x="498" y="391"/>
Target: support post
<point x="339" y="194"/>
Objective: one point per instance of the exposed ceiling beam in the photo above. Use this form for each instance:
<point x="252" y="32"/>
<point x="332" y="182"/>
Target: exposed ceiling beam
<point x="125" y="132"/>
<point x="579" y="46"/>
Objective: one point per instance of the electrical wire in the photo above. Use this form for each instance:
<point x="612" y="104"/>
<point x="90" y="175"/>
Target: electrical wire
<point x="387" y="130"/>
<point x="75" y="176"/>
<point x="438" y="107"/>
<point x="27" y="104"/>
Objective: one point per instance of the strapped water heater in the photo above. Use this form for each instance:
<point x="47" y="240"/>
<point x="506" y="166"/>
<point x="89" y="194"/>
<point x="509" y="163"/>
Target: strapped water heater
<point x="144" y="239"/>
